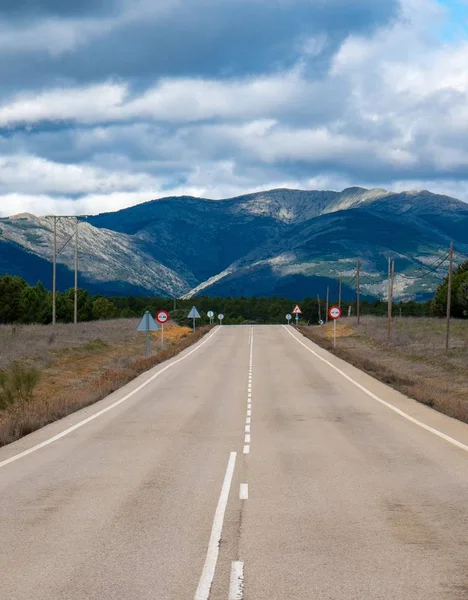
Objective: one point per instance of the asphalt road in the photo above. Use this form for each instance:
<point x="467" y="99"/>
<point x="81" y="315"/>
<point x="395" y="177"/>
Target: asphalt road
<point x="254" y="465"/>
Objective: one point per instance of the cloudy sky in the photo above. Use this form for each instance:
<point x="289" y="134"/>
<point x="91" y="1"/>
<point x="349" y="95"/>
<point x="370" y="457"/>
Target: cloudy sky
<point x="108" y="103"/>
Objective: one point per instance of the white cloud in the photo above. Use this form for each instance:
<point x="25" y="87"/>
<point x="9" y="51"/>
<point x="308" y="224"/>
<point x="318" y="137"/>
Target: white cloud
<point x="390" y="111"/>
<point x="31" y="174"/>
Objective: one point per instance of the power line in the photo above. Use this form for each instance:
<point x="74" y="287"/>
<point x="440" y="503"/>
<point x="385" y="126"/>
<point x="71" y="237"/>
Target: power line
<point x="437" y="266"/>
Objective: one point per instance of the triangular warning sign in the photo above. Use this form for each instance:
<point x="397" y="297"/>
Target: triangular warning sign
<point x="148" y="323"/>
<point x="193" y="314"/>
<point x="297" y="310"/>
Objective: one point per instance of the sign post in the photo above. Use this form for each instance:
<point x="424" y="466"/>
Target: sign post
<point x="220" y="317"/>
<point x="297" y="311"/>
<point x="334" y="313"/>
<point x="210" y="314"/>
<point x="162" y="317"/>
<point x="288" y="318"/>
<point x="146" y="325"/>
<point x="194" y="314"/>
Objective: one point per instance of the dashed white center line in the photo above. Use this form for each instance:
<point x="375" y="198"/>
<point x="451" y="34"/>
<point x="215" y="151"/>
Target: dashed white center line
<point x="247" y="438"/>
<point x="244" y="491"/>
<point x="247" y="429"/>
<point x="249" y="412"/>
<point x="246" y="449"/>
<point x="248" y="419"/>
<point x="236" y="584"/>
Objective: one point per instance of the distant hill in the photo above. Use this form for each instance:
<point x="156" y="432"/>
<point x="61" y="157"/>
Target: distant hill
<point x="282" y="242"/>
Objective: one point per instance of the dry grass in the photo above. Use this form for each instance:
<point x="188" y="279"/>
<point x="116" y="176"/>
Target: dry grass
<point x="37" y="341"/>
<point x="413" y="361"/>
<point x="97" y="360"/>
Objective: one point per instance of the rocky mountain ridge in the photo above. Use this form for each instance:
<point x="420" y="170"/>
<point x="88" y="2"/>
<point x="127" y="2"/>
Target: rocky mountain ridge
<point x="279" y="242"/>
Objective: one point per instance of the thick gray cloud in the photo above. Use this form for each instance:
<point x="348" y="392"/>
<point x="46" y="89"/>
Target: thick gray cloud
<point x="145" y="40"/>
<point x="106" y="105"/>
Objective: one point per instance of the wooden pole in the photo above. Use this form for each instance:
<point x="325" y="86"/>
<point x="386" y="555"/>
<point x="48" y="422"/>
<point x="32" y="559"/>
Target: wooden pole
<point x="389" y="299"/>
<point x="449" y="299"/>
<point x="392" y="279"/>
<point x="358" y="285"/>
<point x="54" y="275"/>
<point x="326" y="310"/>
<point x="319" y="309"/>
<point x="75" y="319"/>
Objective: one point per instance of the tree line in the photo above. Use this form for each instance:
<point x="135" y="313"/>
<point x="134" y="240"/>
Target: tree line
<point x="459" y="307"/>
<point x="23" y="303"/>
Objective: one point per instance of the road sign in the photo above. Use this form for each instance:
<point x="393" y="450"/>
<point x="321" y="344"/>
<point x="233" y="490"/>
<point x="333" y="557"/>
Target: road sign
<point x="297" y="310"/>
<point x="194" y="314"/>
<point x="334" y="312"/>
<point x="288" y="317"/>
<point x="146" y="325"/>
<point x="221" y="317"/>
<point x="210" y="313"/>
<point x="162" y="317"/>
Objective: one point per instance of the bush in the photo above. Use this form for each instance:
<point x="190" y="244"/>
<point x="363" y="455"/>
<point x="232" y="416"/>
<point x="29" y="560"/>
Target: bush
<point x="17" y="385"/>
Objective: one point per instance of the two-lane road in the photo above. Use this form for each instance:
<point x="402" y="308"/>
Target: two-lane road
<point x="246" y="467"/>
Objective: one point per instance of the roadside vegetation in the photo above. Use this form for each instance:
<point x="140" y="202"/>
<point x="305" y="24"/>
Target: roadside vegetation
<point x="414" y="361"/>
<point x="46" y="374"/>
<point x="25" y="304"/>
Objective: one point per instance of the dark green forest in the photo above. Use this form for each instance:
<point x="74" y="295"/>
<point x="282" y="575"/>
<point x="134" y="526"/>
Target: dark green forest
<point x="22" y="303"/>
<point x="459" y="306"/>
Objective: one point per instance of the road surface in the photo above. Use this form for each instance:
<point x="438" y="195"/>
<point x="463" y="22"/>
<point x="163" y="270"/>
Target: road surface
<point x="255" y="465"/>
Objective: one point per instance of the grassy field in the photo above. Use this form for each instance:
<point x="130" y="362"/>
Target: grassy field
<point x="413" y="361"/>
<point x="78" y="366"/>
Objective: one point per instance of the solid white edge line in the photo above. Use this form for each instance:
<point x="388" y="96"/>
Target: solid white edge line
<point x="104" y="410"/>
<point x="436" y="432"/>
<point x="206" y="579"/>
<point x="244" y="491"/>
<point x="236" y="584"/>
<point x="246" y="449"/>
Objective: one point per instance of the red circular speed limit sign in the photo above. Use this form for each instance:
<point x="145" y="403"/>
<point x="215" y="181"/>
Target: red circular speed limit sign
<point x="334" y="312"/>
<point x="162" y="317"/>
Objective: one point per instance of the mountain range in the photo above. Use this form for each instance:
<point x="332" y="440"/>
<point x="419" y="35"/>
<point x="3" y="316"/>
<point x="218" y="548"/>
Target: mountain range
<point x="282" y="242"/>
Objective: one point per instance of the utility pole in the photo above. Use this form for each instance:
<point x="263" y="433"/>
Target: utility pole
<point x="389" y="310"/>
<point x="319" y="310"/>
<point x="326" y="310"/>
<point x="391" y="277"/>
<point x="339" y="292"/>
<point x="54" y="275"/>
<point x="358" y="286"/>
<point x="449" y="299"/>
<point x="55" y="253"/>
<point x="75" y="319"/>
